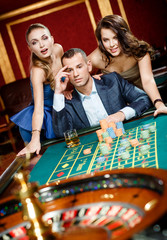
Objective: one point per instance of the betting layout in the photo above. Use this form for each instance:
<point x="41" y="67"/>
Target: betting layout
<point x="137" y="147"/>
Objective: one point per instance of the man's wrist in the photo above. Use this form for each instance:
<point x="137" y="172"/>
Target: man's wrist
<point x="57" y="91"/>
<point x="128" y="112"/>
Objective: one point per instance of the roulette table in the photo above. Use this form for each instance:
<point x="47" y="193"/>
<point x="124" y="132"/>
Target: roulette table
<point x="59" y="162"/>
<point x="110" y="199"/>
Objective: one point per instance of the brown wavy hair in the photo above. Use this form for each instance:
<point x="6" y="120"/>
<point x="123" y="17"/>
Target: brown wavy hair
<point x="131" y="46"/>
<point x="36" y="61"/>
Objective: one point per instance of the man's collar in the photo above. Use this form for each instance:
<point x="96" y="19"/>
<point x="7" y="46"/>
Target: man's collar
<point x="94" y="90"/>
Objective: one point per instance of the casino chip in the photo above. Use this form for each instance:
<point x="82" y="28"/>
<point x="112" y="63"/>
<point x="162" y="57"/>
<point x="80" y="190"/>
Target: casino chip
<point x="100" y="159"/>
<point x="111" y="132"/>
<point x="120" y="126"/>
<point x="145" y="134"/>
<point x="125" y="155"/>
<point x="146" y="126"/>
<point x="87" y="151"/>
<point x="144" y="149"/>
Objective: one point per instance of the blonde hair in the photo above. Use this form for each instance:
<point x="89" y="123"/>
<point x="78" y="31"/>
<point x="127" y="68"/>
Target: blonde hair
<point x="35" y="60"/>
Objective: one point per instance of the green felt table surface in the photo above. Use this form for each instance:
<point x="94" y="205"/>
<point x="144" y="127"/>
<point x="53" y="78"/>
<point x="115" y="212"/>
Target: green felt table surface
<point x="161" y="79"/>
<point x="59" y="163"/>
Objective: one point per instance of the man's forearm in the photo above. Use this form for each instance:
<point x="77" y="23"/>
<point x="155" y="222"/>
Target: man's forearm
<point x="58" y="102"/>
<point x="59" y="115"/>
<point x="60" y="122"/>
<point x="128" y="112"/>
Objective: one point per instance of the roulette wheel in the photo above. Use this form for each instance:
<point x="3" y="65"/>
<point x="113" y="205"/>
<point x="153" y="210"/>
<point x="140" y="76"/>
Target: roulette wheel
<point x="104" y="205"/>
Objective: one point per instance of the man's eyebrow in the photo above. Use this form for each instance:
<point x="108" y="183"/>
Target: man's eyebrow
<point x="80" y="64"/>
<point x="70" y="68"/>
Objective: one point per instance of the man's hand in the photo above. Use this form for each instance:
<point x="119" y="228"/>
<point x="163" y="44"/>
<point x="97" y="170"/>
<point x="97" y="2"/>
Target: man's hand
<point x="61" y="80"/>
<point x="116" y="117"/>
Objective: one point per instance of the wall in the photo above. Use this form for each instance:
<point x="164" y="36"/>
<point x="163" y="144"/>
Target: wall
<point x="72" y="23"/>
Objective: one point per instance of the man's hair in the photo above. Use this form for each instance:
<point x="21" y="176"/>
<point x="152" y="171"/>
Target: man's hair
<point x="73" y="51"/>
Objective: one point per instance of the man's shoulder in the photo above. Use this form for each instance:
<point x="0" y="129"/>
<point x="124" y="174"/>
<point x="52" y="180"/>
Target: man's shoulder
<point x="110" y="75"/>
<point x="109" y="78"/>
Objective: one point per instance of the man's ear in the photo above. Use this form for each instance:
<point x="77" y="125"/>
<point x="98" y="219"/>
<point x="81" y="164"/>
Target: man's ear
<point x="89" y="64"/>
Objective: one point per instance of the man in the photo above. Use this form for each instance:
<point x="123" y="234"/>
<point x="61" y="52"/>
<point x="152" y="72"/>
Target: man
<point x="112" y="97"/>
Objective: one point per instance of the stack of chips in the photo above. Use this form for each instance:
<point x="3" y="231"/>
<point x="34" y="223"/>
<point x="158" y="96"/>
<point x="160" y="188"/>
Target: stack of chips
<point x="107" y="132"/>
<point x="119" y="132"/>
<point x="125" y="143"/>
<point x="99" y="135"/>
<point x="113" y="125"/>
<point x="152" y="128"/>
<point x="103" y="124"/>
<point x="104" y="148"/>
<point x="125" y="155"/>
<point x="145" y="134"/>
<point x="120" y="125"/>
<point x="111" y="132"/>
<point x="105" y="135"/>
<point x="144" y="149"/>
<point x="101" y="159"/>
<point x="121" y="150"/>
<point x="114" y="129"/>
<point x="108" y="140"/>
<point x="149" y="127"/>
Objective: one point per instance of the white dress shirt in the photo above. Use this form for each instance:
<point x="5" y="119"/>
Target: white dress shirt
<point x="92" y="105"/>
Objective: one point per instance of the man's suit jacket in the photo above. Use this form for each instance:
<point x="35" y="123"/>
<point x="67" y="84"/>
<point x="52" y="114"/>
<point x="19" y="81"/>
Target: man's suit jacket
<point x="115" y="93"/>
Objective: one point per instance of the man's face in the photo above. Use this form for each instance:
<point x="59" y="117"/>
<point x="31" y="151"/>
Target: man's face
<point x="79" y="70"/>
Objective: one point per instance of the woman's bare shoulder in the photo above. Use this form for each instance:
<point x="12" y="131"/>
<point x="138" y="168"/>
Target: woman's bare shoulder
<point x="58" y="49"/>
<point x="96" y="57"/>
<point x="95" y="54"/>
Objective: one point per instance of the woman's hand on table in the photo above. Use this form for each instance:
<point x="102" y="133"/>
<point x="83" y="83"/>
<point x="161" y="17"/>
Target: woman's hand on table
<point x="161" y="110"/>
<point x="32" y="147"/>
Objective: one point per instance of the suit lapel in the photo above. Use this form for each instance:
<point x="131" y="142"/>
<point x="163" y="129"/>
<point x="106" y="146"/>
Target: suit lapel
<point x="104" y="96"/>
<point x="77" y="104"/>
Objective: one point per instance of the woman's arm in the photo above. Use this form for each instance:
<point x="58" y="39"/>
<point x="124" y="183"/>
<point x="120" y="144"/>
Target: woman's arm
<point x="96" y="59"/>
<point x="37" y="78"/>
<point x="149" y="84"/>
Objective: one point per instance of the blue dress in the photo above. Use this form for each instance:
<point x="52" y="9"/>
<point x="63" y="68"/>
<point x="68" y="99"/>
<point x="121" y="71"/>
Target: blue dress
<point x="23" y="119"/>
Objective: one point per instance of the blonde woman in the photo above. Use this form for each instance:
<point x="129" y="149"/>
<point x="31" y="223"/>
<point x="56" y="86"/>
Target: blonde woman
<point x="35" y="121"/>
